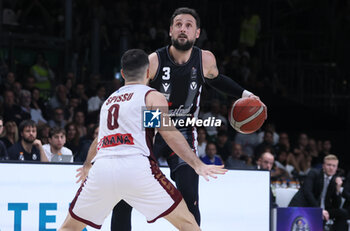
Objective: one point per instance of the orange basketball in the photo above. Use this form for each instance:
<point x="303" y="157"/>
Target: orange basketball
<point x="247" y="115"/>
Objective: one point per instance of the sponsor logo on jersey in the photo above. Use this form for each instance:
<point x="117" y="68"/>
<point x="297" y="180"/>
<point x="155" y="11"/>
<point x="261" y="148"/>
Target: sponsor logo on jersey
<point x="151" y="118"/>
<point x="180" y="111"/>
<point x="193" y="85"/>
<point x="166" y="86"/>
<point x="193" y="73"/>
<point x="115" y="140"/>
<point x="167" y="96"/>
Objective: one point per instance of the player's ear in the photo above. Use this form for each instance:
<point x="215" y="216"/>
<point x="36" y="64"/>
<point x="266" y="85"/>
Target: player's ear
<point x="122" y="72"/>
<point x="148" y="76"/>
<point x="170" y="31"/>
<point x="198" y="32"/>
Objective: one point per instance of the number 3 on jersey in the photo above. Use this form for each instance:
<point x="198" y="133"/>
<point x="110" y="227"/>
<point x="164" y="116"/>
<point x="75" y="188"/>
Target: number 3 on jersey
<point x="166" y="75"/>
<point x="112" y="119"/>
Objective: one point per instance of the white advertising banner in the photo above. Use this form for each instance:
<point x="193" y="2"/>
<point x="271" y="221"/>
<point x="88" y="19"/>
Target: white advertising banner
<point x="37" y="196"/>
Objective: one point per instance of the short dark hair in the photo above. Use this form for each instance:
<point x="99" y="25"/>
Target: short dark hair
<point x="134" y="64"/>
<point x="26" y="123"/>
<point x="56" y="130"/>
<point x="186" y="10"/>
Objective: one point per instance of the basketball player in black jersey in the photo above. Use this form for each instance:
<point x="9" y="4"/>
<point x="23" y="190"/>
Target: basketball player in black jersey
<point x="179" y="72"/>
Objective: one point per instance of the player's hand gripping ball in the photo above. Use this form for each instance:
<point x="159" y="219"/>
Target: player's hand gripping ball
<point x="247" y="115"/>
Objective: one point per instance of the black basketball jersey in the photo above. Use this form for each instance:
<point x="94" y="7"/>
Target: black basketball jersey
<point x="181" y="84"/>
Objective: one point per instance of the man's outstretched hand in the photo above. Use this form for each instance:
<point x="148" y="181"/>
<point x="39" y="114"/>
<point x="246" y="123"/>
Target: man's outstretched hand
<point x="82" y="173"/>
<point x="207" y="171"/>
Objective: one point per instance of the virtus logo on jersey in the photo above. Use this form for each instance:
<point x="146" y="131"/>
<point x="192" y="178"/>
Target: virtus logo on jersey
<point x="156" y="119"/>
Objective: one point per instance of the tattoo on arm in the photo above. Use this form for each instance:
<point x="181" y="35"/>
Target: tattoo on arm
<point x="213" y="69"/>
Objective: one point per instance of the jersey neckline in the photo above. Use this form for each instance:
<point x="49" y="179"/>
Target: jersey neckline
<point x="176" y="64"/>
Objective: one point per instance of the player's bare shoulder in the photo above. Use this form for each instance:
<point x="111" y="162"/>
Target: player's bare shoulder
<point x="156" y="99"/>
<point x="210" y="69"/>
<point x="153" y="64"/>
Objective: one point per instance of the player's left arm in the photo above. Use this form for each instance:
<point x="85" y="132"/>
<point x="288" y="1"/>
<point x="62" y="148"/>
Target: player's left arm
<point x="83" y="171"/>
<point x="153" y="64"/>
<point x="220" y="81"/>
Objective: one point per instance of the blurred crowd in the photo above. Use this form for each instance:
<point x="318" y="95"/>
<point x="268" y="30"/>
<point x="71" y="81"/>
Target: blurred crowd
<point x="71" y="100"/>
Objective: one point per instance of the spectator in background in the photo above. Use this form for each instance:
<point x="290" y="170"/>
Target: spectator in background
<point x="223" y="145"/>
<point x="25" y="99"/>
<point x="13" y="111"/>
<point x="37" y="103"/>
<point x="265" y="162"/>
<point x="43" y="74"/>
<point x="95" y="102"/>
<point x="71" y="76"/>
<point x="29" y="83"/>
<point x="322" y="188"/>
<point x="60" y="98"/>
<point x="17" y="87"/>
<point x="202" y="141"/>
<point x="269" y="127"/>
<point x="94" y="105"/>
<point x="283" y="142"/>
<point x="3" y="149"/>
<point x="8" y="84"/>
<point x="214" y="112"/>
<point x="303" y="140"/>
<point x="326" y="147"/>
<point x="94" y="83"/>
<point x="325" y="150"/>
<point x="312" y="150"/>
<point x="234" y="161"/>
<point x="58" y="118"/>
<point x="249" y="29"/>
<point x="266" y="144"/>
<point x="10" y="134"/>
<point x="346" y="193"/>
<point x="248" y="142"/>
<point x="83" y="98"/>
<point x="29" y="147"/>
<point x="85" y="143"/>
<point x="244" y="72"/>
<point x="211" y="156"/>
<point x="57" y="140"/>
<point x="283" y="169"/>
<point x="73" y="106"/>
<point x="72" y="137"/>
<point x="43" y="133"/>
<point x="69" y="86"/>
<point x="302" y="162"/>
<point x="79" y="120"/>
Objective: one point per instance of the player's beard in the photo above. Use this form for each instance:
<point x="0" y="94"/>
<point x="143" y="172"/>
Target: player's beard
<point x="182" y="47"/>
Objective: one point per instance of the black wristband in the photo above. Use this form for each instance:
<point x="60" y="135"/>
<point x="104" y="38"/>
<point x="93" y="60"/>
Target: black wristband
<point x="226" y="85"/>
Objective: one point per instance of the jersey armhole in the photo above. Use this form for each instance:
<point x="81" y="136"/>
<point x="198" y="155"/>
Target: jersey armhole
<point x="201" y="65"/>
<point x="157" y="72"/>
<point x="149" y="91"/>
